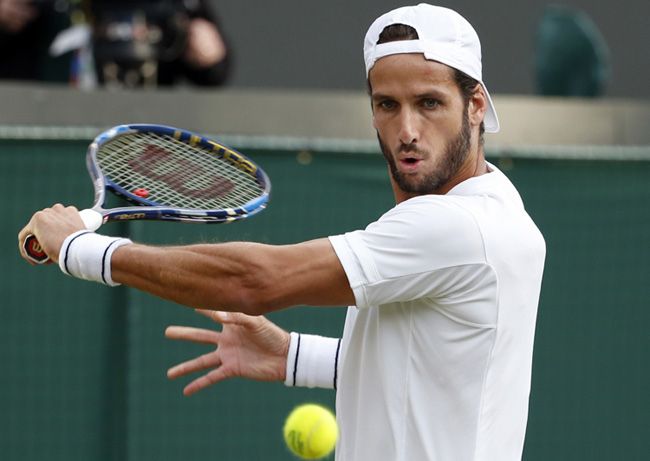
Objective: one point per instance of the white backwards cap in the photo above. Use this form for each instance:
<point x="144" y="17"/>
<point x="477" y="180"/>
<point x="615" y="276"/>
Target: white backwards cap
<point x="444" y="36"/>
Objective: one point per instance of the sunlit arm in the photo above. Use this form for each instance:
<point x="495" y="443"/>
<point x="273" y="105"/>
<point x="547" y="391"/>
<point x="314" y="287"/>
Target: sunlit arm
<point x="239" y="276"/>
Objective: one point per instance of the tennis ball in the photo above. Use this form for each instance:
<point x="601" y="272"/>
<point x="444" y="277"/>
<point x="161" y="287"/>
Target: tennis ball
<point x="310" y="431"/>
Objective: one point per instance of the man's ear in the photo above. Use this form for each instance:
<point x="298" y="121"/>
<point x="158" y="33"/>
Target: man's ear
<point x="477" y="106"/>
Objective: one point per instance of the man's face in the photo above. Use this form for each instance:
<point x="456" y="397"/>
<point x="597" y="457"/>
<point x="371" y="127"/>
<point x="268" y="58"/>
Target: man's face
<point x="421" y="122"/>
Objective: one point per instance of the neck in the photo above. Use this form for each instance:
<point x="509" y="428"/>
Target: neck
<point x="475" y="165"/>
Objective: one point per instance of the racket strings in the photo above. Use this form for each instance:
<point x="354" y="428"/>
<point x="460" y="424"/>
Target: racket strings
<point x="176" y="174"/>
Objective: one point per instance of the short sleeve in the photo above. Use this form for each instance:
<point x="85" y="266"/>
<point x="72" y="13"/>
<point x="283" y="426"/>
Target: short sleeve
<point x="410" y="252"/>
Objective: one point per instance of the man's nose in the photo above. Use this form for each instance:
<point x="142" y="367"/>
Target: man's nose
<point x="408" y="133"/>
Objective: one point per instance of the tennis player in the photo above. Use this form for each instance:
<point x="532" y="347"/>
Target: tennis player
<point x="435" y="358"/>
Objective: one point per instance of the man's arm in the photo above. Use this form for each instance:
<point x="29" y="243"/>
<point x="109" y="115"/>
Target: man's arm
<point x="241" y="276"/>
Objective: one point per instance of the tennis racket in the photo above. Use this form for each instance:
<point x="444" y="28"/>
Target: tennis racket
<point x="168" y="174"/>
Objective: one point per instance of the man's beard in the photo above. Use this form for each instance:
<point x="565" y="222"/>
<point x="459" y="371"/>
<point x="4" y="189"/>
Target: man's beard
<point x="454" y="155"/>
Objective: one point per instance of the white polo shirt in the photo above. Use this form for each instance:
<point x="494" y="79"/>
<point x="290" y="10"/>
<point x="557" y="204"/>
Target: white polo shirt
<point x="435" y="362"/>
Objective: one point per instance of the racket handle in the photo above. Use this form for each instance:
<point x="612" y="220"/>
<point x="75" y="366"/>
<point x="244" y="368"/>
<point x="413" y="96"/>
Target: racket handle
<point x="33" y="250"/>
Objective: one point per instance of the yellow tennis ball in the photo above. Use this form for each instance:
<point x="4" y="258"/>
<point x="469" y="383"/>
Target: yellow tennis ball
<point x="310" y="431"/>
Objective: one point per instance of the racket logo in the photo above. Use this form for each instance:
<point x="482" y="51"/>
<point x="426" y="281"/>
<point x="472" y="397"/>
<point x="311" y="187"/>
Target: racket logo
<point x="36" y="247"/>
<point x="34" y="250"/>
<point x="127" y="216"/>
<point x="161" y="165"/>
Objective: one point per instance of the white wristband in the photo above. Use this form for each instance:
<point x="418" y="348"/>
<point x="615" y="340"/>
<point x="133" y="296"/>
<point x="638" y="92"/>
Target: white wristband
<point x="312" y="361"/>
<point x="87" y="256"/>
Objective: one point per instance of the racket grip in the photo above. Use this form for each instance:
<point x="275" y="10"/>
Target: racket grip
<point x="33" y="250"/>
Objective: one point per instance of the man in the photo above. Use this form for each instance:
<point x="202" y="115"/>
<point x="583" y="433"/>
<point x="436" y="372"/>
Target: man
<point x="435" y="359"/>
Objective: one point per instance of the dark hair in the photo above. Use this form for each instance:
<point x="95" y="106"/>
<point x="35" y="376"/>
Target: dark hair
<point x="467" y="87"/>
<point x="466" y="84"/>
<point x="397" y="32"/>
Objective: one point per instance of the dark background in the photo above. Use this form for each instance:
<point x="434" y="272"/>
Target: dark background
<point x="318" y="44"/>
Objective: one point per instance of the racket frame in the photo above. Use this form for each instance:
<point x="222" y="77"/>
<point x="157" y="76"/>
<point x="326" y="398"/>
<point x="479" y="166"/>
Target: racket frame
<point x="147" y="209"/>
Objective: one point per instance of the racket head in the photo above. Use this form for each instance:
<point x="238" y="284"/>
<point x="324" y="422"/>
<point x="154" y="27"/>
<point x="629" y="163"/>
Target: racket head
<point x="174" y="175"/>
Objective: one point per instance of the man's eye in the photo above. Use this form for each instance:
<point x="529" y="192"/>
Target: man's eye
<point x="386" y="105"/>
<point x="430" y="103"/>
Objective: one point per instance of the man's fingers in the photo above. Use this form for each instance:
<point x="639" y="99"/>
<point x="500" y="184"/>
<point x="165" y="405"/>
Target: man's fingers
<point x="197" y="335"/>
<point x="216" y="316"/>
<point x="206" y="380"/>
<point x="202" y="362"/>
<point x="22" y="236"/>
<point x="233" y="318"/>
<point x="25" y="231"/>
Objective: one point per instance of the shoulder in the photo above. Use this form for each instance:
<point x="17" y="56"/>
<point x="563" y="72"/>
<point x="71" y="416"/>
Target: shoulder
<point x="423" y="233"/>
<point x="444" y="218"/>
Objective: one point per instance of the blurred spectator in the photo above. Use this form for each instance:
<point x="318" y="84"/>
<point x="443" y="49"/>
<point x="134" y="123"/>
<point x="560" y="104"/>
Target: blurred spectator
<point x="148" y="43"/>
<point x="27" y="27"/>
<point x="572" y="57"/>
<point x="15" y="14"/>
<point x="136" y="43"/>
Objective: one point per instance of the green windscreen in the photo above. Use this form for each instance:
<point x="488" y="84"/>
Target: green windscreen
<point x="84" y="366"/>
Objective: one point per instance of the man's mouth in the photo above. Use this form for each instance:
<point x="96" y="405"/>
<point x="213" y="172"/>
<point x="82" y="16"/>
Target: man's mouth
<point x="408" y="163"/>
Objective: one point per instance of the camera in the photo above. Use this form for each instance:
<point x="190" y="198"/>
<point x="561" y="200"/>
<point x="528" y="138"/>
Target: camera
<point x="130" y="39"/>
